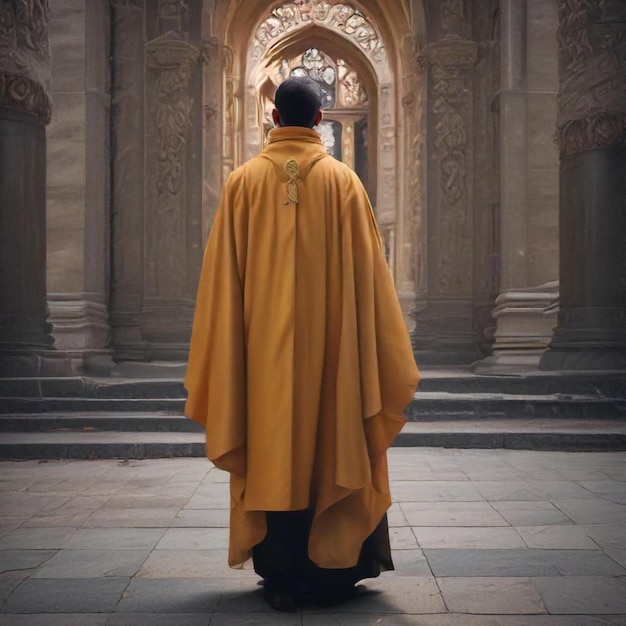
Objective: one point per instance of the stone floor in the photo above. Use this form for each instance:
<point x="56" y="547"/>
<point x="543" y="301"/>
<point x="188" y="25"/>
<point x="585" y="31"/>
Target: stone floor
<point x="480" y="538"/>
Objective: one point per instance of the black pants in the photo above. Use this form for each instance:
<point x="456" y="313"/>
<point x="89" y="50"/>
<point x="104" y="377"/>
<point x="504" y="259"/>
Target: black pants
<point x="282" y="557"/>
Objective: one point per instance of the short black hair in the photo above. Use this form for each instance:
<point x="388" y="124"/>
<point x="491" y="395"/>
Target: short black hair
<point x="297" y="101"/>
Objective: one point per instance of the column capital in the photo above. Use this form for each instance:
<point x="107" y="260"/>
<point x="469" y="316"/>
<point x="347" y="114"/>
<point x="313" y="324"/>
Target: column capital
<point x="592" y="66"/>
<point x="25" y="58"/>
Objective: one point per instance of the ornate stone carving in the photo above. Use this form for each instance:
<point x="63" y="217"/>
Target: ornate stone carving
<point x="338" y="16"/>
<point x="173" y="59"/>
<point x="449" y="59"/>
<point x="592" y="65"/>
<point x="25" y="57"/>
<point x="414" y="177"/>
<point x="170" y="60"/>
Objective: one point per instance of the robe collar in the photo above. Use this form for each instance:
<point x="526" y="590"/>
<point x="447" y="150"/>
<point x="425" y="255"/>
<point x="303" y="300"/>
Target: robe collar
<point x="294" y="133"/>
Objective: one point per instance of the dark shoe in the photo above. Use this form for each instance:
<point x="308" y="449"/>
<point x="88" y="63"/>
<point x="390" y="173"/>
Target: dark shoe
<point x="280" y="601"/>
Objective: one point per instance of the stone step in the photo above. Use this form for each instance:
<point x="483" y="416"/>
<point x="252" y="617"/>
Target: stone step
<point x="425" y="406"/>
<point x="604" y="384"/>
<point x="98" y="421"/>
<point x="550" y="434"/>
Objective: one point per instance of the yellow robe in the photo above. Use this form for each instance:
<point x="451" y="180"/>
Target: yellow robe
<point x="300" y="363"/>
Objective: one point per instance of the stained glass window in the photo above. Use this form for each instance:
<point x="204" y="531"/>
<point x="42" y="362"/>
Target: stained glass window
<point x="340" y="83"/>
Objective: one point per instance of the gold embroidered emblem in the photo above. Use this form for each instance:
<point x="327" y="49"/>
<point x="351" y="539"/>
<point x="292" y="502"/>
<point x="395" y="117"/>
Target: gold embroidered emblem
<point x="292" y="169"/>
<point x="290" y="173"/>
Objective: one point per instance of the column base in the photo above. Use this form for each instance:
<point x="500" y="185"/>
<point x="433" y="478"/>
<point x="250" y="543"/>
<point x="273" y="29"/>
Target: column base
<point x="524" y="322"/>
<point x="25" y="364"/>
<point x="592" y="338"/>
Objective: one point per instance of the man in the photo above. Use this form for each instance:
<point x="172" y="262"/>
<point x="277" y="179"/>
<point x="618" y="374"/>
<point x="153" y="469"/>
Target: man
<point x="300" y="363"/>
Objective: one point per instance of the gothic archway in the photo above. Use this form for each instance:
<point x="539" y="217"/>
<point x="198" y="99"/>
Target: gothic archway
<point x="380" y="41"/>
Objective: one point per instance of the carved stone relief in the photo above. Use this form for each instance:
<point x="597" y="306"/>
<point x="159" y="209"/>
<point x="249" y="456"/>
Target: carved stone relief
<point x="414" y="149"/>
<point x="337" y="16"/>
<point x="25" y="57"/>
<point x="449" y="60"/>
<point x="212" y="178"/>
<point x="592" y="64"/>
<point x="170" y="61"/>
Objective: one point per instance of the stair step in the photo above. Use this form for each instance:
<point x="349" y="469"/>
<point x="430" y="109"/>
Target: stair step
<point x="425" y="406"/>
<point x="609" y="384"/>
<point x="86" y="422"/>
<point x="546" y="434"/>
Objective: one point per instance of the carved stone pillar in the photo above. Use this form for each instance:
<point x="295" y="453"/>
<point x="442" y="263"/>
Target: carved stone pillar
<point x="26" y="345"/>
<point x="444" y="331"/>
<point x="78" y="193"/>
<point x="157" y="177"/>
<point x="591" y="331"/>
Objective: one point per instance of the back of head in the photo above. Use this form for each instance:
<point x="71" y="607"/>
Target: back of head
<point x="297" y="101"/>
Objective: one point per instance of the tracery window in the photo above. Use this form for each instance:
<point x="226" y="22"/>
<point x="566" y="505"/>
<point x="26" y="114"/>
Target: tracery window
<point x="340" y="83"/>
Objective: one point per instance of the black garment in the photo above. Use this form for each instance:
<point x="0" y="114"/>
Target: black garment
<point x="282" y="557"/>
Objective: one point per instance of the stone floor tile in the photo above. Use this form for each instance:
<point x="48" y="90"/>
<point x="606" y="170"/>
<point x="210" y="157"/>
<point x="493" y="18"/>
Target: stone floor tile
<point x="7" y="524"/>
<point x="15" y="560"/>
<point x="613" y="537"/>
<point x="208" y="501"/>
<point x="29" y="504"/>
<point x="582" y="594"/>
<point x="36" y="538"/>
<point x="491" y="595"/>
<point x="363" y="619"/>
<point x="7" y="585"/>
<point x="460" y="537"/>
<point x="191" y="564"/>
<point x="146" y="502"/>
<point x="494" y="490"/>
<point x="452" y="514"/>
<point x="202" y="518"/>
<point x="193" y="538"/>
<point x="92" y="564"/>
<point x="96" y="595"/>
<point x="556" y="537"/>
<point x="563" y="490"/>
<point x="166" y="595"/>
<point x="115" y="538"/>
<point x="521" y="563"/>
<point x="597" y="511"/>
<point x="159" y="619"/>
<point x="604" y="486"/>
<point x="255" y="619"/>
<point x="435" y="491"/>
<point x="396" y="518"/>
<point x="58" y="619"/>
<point x="409" y="563"/>
<point x="529" y="512"/>
<point x="218" y="476"/>
<point x="619" y="556"/>
<point x="402" y="539"/>
<point x="453" y="619"/>
<point x="131" y="518"/>
<point x="72" y="519"/>
<point x="617" y="498"/>
<point x="396" y="594"/>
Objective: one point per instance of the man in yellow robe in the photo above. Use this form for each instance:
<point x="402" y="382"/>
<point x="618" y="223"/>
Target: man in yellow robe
<point x="300" y="364"/>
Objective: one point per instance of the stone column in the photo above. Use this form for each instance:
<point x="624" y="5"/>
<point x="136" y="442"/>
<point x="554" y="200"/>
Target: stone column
<point x="524" y="311"/>
<point x="591" y="331"/>
<point x="78" y="183"/>
<point x="444" y="331"/>
<point x="26" y="345"/>
<point x="157" y="178"/>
